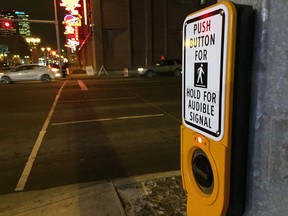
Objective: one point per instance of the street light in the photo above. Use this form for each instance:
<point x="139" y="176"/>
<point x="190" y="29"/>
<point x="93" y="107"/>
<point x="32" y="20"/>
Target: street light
<point x="46" y="54"/>
<point x="33" y="43"/>
<point x="16" y="60"/>
<point x="3" y="57"/>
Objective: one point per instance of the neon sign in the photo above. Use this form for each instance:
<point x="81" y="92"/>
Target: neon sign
<point x="71" y="5"/>
<point x="71" y="21"/>
<point x="72" y="43"/>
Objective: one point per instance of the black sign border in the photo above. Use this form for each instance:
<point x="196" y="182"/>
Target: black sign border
<point x="204" y="16"/>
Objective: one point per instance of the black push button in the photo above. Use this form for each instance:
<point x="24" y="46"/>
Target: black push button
<point x="202" y="171"/>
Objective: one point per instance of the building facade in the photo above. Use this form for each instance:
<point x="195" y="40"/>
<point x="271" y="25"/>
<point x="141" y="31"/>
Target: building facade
<point x="23" y="26"/>
<point x="132" y="33"/>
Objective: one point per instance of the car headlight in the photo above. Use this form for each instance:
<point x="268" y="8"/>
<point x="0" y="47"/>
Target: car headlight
<point x="55" y="70"/>
<point x="140" y="69"/>
<point x="57" y="75"/>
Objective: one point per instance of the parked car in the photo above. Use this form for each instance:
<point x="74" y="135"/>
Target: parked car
<point x="164" y="66"/>
<point x="29" y="72"/>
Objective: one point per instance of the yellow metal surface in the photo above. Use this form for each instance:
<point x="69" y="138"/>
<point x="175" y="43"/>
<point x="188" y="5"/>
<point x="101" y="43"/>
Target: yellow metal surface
<point x="217" y="152"/>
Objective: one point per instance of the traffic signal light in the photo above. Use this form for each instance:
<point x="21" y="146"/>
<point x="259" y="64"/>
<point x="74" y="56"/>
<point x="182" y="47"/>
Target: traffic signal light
<point x="7" y="24"/>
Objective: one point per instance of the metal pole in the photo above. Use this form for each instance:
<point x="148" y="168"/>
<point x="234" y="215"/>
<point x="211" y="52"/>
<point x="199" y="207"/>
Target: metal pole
<point x="165" y="28"/>
<point x="146" y="32"/>
<point x="31" y="21"/>
<point x="57" y="36"/>
<point x="93" y="34"/>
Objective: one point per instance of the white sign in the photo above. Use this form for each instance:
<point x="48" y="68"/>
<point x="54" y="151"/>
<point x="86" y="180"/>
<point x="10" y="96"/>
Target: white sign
<point x="89" y="70"/>
<point x="204" y="63"/>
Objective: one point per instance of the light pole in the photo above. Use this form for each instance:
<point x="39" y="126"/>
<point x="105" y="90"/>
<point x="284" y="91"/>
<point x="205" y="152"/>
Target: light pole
<point x="46" y="54"/>
<point x="33" y="42"/>
<point x="57" y="34"/>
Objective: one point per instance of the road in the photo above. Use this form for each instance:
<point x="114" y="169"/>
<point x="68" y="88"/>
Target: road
<point x="83" y="130"/>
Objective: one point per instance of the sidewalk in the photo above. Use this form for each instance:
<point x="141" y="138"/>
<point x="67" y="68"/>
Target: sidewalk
<point x="146" y="195"/>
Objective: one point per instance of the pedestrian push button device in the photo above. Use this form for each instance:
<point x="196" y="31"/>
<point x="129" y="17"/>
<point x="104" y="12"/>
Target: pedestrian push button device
<point x="214" y="108"/>
<point x="208" y="65"/>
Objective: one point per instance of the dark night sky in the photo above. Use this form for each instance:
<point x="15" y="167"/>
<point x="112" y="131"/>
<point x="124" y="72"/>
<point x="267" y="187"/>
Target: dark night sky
<point x="39" y="10"/>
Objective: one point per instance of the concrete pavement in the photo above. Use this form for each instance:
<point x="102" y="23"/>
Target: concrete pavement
<point x="101" y="198"/>
<point x="98" y="198"/>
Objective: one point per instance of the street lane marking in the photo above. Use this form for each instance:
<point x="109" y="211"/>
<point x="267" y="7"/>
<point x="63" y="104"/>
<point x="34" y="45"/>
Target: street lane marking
<point x="157" y="107"/>
<point x="107" y="119"/>
<point x="100" y="99"/>
<point x="82" y="85"/>
<point x="139" y="116"/>
<point x="82" y="121"/>
<point x="27" y="169"/>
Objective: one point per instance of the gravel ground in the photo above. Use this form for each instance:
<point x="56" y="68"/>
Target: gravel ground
<point x="163" y="196"/>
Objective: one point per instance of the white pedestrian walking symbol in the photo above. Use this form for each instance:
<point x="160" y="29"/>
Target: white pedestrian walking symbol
<point x="200" y="72"/>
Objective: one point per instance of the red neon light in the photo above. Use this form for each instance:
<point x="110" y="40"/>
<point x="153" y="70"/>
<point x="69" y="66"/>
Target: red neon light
<point x="76" y="33"/>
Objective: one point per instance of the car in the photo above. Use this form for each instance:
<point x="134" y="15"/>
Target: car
<point x="164" y="66"/>
<point x="54" y="68"/>
<point x="29" y="72"/>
